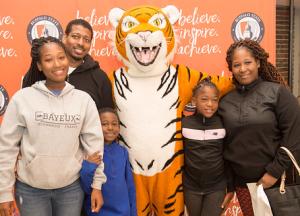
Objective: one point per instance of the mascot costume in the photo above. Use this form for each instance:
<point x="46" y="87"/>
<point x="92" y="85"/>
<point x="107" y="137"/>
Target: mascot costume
<point x="150" y="95"/>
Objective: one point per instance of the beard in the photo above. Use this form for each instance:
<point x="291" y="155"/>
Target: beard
<point x="77" y="58"/>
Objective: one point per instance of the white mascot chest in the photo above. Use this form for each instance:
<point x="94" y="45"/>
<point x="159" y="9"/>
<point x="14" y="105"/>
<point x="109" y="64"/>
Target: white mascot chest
<point x="147" y="109"/>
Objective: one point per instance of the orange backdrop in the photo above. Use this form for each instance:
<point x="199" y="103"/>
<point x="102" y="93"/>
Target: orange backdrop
<point x="204" y="31"/>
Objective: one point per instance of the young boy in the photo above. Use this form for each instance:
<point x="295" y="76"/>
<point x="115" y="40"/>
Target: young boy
<point x="119" y="191"/>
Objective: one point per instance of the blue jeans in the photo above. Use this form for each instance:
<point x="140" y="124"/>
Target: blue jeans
<point x="66" y="201"/>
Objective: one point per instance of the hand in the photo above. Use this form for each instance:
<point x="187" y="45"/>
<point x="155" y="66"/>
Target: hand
<point x="227" y="200"/>
<point x="95" y="158"/>
<point x="6" y="208"/>
<point x="96" y="200"/>
<point x="267" y="181"/>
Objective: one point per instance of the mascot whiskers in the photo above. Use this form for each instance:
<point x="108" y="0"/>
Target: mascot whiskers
<point x="150" y="95"/>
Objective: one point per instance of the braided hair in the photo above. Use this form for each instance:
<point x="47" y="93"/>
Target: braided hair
<point x="202" y="83"/>
<point x="267" y="71"/>
<point x="34" y="74"/>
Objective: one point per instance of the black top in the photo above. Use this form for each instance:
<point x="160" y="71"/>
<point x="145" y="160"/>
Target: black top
<point x="258" y="119"/>
<point x="203" y="149"/>
<point x="90" y="78"/>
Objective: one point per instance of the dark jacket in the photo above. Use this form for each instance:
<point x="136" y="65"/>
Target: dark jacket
<point x="203" y="153"/>
<point x="259" y="118"/>
<point x="90" y="78"/>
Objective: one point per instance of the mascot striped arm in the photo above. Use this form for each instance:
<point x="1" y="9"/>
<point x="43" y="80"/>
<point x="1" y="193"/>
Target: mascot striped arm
<point x="150" y="95"/>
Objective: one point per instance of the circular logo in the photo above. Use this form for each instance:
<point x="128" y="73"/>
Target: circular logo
<point x="3" y="100"/>
<point x="44" y="26"/>
<point x="247" y="26"/>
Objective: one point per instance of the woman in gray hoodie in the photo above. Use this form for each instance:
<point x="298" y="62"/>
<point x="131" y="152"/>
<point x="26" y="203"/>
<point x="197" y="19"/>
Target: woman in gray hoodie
<point x="50" y="124"/>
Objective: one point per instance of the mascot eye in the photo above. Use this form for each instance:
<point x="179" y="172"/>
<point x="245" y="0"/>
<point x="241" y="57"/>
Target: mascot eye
<point x="158" y="20"/>
<point x="128" y="23"/>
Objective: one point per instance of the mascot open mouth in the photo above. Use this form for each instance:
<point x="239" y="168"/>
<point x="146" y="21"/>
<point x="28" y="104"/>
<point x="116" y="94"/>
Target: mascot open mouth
<point x="145" y="55"/>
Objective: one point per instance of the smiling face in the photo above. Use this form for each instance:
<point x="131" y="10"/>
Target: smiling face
<point x="144" y="36"/>
<point x="78" y="42"/>
<point x="54" y="64"/>
<point x="206" y="101"/>
<point x="244" y="66"/>
<point x="110" y="126"/>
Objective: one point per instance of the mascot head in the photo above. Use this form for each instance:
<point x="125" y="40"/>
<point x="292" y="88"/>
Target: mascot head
<point x="144" y="38"/>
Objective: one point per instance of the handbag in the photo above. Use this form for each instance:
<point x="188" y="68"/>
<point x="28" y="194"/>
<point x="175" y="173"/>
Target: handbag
<point x="286" y="200"/>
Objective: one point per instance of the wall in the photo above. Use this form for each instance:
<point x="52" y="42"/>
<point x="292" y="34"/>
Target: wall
<point x="282" y="36"/>
<point x="296" y="71"/>
<point x="282" y="39"/>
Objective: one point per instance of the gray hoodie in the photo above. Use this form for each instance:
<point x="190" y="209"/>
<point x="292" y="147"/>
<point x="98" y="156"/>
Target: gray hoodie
<point x="51" y="133"/>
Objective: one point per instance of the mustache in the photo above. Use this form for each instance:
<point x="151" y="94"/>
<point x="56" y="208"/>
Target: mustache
<point x="79" y="47"/>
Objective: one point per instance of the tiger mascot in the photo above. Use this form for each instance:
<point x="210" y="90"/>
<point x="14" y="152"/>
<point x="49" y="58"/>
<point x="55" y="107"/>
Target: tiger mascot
<point x="150" y="95"/>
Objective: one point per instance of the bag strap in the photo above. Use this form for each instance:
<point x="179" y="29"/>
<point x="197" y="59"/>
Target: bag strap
<point x="292" y="158"/>
<point x="283" y="177"/>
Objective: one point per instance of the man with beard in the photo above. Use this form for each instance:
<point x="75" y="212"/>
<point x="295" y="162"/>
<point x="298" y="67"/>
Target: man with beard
<point x="84" y="72"/>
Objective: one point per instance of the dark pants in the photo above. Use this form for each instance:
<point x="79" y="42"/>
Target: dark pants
<point x="200" y="204"/>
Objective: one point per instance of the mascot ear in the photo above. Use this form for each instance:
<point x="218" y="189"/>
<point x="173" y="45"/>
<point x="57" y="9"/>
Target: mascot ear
<point x="172" y="13"/>
<point x="115" y="15"/>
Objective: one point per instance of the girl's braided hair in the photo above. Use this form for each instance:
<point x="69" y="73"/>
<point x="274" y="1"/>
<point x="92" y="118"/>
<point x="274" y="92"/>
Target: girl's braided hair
<point x="202" y="83"/>
<point x="34" y="74"/>
<point x="267" y="71"/>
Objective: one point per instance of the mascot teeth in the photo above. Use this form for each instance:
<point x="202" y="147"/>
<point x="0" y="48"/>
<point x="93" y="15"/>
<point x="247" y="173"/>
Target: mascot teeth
<point x="145" y="55"/>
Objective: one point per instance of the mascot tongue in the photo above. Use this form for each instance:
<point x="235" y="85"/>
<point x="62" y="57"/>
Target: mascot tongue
<point x="145" y="55"/>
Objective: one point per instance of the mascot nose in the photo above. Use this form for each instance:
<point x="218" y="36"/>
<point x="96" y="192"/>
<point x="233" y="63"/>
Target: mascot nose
<point x="144" y="35"/>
